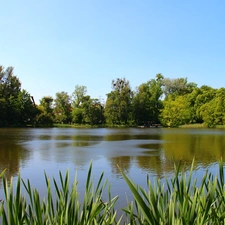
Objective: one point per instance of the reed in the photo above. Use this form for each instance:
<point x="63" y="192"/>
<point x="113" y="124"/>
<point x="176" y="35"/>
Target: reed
<point x="65" y="208"/>
<point x="178" y="200"/>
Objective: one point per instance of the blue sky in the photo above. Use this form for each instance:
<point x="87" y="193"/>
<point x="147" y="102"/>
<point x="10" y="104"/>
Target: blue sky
<point x="54" y="45"/>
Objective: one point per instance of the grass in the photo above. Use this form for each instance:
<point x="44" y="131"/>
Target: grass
<point x="196" y="125"/>
<point x="200" y="125"/>
<point x="176" y="201"/>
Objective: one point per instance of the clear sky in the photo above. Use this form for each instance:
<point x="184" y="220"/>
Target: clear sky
<point x="54" y="45"/>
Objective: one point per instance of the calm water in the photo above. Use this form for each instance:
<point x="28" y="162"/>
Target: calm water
<point x="138" y="152"/>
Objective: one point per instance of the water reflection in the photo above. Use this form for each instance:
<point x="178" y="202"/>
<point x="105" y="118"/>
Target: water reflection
<point x="117" y="163"/>
<point x="136" y="151"/>
<point x="152" y="151"/>
<point x="206" y="148"/>
<point x="12" y="155"/>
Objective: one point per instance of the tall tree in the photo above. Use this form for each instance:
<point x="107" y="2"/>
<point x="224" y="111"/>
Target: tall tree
<point x="118" y="109"/>
<point x="10" y="84"/>
<point x="78" y="95"/>
<point x="146" y="101"/>
<point x="47" y="104"/>
<point x="213" y="111"/>
<point x="28" y="110"/>
<point x="62" y="109"/>
<point x="205" y="95"/>
<point x="16" y="106"/>
<point x="10" y="88"/>
<point x="45" y="118"/>
<point x="178" y="86"/>
<point x="79" y="99"/>
<point x="175" y="111"/>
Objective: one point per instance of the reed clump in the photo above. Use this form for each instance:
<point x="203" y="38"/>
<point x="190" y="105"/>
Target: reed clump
<point x="177" y="201"/>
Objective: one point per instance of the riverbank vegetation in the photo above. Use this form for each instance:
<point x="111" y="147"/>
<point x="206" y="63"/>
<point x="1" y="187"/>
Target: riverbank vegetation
<point x="181" y="199"/>
<point x="159" y="101"/>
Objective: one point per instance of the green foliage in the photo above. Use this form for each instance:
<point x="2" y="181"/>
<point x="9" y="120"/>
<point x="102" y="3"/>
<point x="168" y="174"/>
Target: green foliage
<point x="85" y="109"/>
<point x="213" y="112"/>
<point x="44" y="120"/>
<point x="47" y="104"/>
<point x="179" y="200"/>
<point x="179" y="86"/>
<point x="146" y="101"/>
<point x="16" y="106"/>
<point x="45" y="116"/>
<point x="205" y="95"/>
<point x="183" y="103"/>
<point x="175" y="112"/>
<point x="78" y="95"/>
<point x="9" y="83"/>
<point x="62" y="109"/>
<point x="77" y="115"/>
<point x="94" y="112"/>
<point x="64" y="208"/>
<point x="119" y="103"/>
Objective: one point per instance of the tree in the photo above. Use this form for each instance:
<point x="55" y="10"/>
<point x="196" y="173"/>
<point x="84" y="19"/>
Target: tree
<point x="62" y="109"/>
<point x="146" y="101"/>
<point x="93" y="112"/>
<point x="118" y="109"/>
<point x="45" y="118"/>
<point x="175" y="111"/>
<point x="178" y="86"/>
<point x="3" y="112"/>
<point x="16" y="107"/>
<point x="47" y="104"/>
<point x="205" y="95"/>
<point x="27" y="108"/>
<point x="141" y="104"/>
<point x="78" y="98"/>
<point x="77" y="115"/>
<point x="78" y="95"/>
<point x="213" y="111"/>
<point x="9" y="83"/>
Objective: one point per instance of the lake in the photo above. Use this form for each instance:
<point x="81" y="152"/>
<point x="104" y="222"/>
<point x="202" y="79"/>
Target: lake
<point x="137" y="151"/>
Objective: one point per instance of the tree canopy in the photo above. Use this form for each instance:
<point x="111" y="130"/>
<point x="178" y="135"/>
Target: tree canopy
<point x="171" y="102"/>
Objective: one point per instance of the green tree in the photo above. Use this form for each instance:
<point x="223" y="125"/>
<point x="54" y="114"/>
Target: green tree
<point x="10" y="84"/>
<point x="146" y="101"/>
<point x="191" y="98"/>
<point x="27" y="108"/>
<point x="175" y="111"/>
<point x="10" y="87"/>
<point x="62" y="109"/>
<point x="45" y="118"/>
<point x="93" y="112"/>
<point x="213" y="112"/>
<point x="16" y="106"/>
<point x="118" y="109"/>
<point x="79" y="99"/>
<point x="88" y="111"/>
<point x="205" y="95"/>
<point x="3" y="112"/>
<point x="141" y="104"/>
<point x="47" y="103"/>
<point x="178" y="86"/>
<point x="77" y="115"/>
<point x="78" y="95"/>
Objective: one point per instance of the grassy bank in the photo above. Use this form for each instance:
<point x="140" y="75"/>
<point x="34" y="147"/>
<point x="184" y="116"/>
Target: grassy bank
<point x="89" y="126"/>
<point x="196" y="125"/>
<point x="177" y="201"/>
<point x="200" y="125"/>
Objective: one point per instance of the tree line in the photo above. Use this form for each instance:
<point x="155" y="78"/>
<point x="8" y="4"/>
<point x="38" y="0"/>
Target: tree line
<point x="165" y="101"/>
